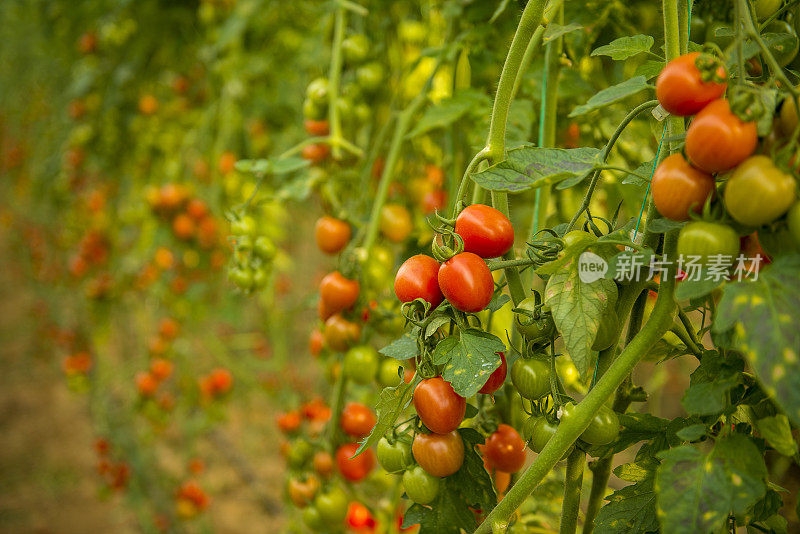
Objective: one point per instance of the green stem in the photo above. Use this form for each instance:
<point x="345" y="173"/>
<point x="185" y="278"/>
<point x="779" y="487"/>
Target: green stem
<point x="339" y="391"/>
<point x="572" y="492"/>
<point x="687" y="323"/>
<point x="334" y="77"/>
<point x="684" y="337"/>
<point x="601" y="471"/>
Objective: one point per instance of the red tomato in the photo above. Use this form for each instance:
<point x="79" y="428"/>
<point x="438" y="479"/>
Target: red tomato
<point x="717" y="140"/>
<point x="357" y="420"/>
<point x="678" y="188"/>
<point x="331" y="234"/>
<point x="316" y="128"/>
<point x="316" y="153"/>
<point x="439" y="455"/>
<point x="359" y="516"/>
<point x="337" y="292"/>
<point x="354" y="469"/>
<point x="682" y="91"/>
<point x="505" y="449"/>
<point x="497" y="378"/>
<point x="417" y="278"/>
<point x="439" y="407"/>
<point x="340" y="333"/>
<point x="289" y="422"/>
<point x="466" y="282"/>
<point x="485" y="231"/>
<point x="316" y="341"/>
<point x="434" y="201"/>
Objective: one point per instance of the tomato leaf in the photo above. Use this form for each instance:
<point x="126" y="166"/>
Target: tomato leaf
<point x="391" y="403"/>
<point x="761" y="316"/>
<point x="631" y="509"/>
<point x="449" y="110"/>
<point x="468" y="359"/>
<point x="436" y="323"/>
<point x="693" y="289"/>
<point x="271" y="166"/>
<point x="778" y="433"/>
<point x="697" y="491"/>
<point x="554" y="31"/>
<point x="498" y="301"/>
<point x="711" y="382"/>
<point x="692" y="432"/>
<point x="625" y="47"/>
<point x="529" y="167"/>
<point x="649" y="69"/>
<point x="610" y="95"/>
<point x="402" y="348"/>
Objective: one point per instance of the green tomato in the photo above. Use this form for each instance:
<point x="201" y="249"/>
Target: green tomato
<point x="388" y="373"/>
<point x="784" y="49"/>
<point x="539" y="330"/>
<point x="793" y="220"/>
<point x="361" y="364"/>
<point x="244" y="225"/>
<point x="264" y="248"/>
<point x="313" y="519"/>
<point x="765" y="8"/>
<point x="420" y="487"/>
<point x="603" y="428"/>
<point x="356" y="48"/>
<point x="538" y="431"/>
<point x="705" y="239"/>
<point x="260" y="278"/>
<point x="394" y="457"/>
<point x="300" y="452"/>
<point x="758" y="192"/>
<point x="244" y="243"/>
<point x="332" y="506"/>
<point x="362" y="113"/>
<point x="314" y="111"/>
<point x="531" y="378"/>
<point x="607" y="332"/>
<point x="317" y="91"/>
<point x="242" y="277"/>
<point x="577" y="236"/>
<point x="370" y="77"/>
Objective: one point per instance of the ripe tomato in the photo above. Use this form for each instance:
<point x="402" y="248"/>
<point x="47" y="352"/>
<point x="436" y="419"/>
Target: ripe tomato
<point x="758" y="192"/>
<point x="359" y="517"/>
<point x="357" y="420"/>
<point x="439" y="407"/>
<point x="337" y="292"/>
<point x="717" y="140"/>
<point x="420" y="486"/>
<point x="603" y="428"/>
<point x="341" y="333"/>
<point x="316" y="128"/>
<point x="466" y="282"/>
<point x="681" y="90"/>
<point x="395" y="222"/>
<point x="678" y="188"/>
<point x="316" y="153"/>
<point x="497" y="378"/>
<point x="531" y="377"/>
<point x="331" y="234"/>
<point x="439" y="455"/>
<point x="705" y="239"/>
<point x="394" y="457"/>
<point x="361" y="364"/>
<point x="302" y="492"/>
<point x="505" y="449"/>
<point x="354" y="469"/>
<point x="332" y="506"/>
<point x="485" y="231"/>
<point x="323" y="463"/>
<point x="289" y="422"/>
<point x="539" y="331"/>
<point x="316" y="342"/>
<point x="434" y="201"/>
<point x="607" y="332"/>
<point x="146" y="383"/>
<point x="418" y="278"/>
<point x="161" y="369"/>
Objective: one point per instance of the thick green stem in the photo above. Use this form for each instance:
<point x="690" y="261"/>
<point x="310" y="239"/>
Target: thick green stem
<point x="334" y="77"/>
<point x="573" y="483"/>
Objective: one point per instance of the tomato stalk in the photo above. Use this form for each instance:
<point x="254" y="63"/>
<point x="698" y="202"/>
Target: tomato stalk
<point x="334" y="77"/>
<point x="572" y="492"/>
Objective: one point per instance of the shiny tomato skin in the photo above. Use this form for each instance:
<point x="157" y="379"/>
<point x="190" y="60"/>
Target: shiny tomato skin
<point x="357" y="468"/>
<point x="332" y="506"/>
<point x="603" y="428"/>
<point x="418" y="278"/>
<point x="331" y="234"/>
<point x="357" y="420"/>
<point x="497" y="378"/>
<point x="337" y="292"/>
<point x="440" y="455"/>
<point x="758" y="192"/>
<point x="680" y="89"/>
<point x="394" y="457"/>
<point x="706" y="239"/>
<point x="485" y="231"/>
<point x="531" y="377"/>
<point x="505" y="449"/>
<point x="466" y="282"/>
<point x="717" y="140"/>
<point x="420" y="487"/>
<point x="361" y="364"/>
<point x="439" y="407"/>
<point x="679" y="188"/>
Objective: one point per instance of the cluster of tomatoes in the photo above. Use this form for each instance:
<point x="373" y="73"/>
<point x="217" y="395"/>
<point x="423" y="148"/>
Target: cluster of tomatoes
<point x="253" y="253"/>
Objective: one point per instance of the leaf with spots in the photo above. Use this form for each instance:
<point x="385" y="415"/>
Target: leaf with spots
<point x="632" y="509"/>
<point x="762" y="317"/>
<point x="577" y="308"/>
<point x="468" y="359"/>
<point x="695" y="492"/>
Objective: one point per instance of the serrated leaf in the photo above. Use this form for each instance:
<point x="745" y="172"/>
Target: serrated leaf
<point x="710" y="384"/>
<point x="449" y="110"/>
<point x="632" y="509"/>
<point x="391" y="403"/>
<point x="643" y="170"/>
<point x="762" y="315"/>
<point x="610" y="95"/>
<point x="498" y="301"/>
<point x="529" y="167"/>
<point x="662" y="225"/>
<point x="402" y="348"/>
<point x="778" y="433"/>
<point x="625" y="47"/>
<point x="554" y="31"/>
<point x="649" y="69"/>
<point x="692" y="432"/>
<point x="468" y="359"/>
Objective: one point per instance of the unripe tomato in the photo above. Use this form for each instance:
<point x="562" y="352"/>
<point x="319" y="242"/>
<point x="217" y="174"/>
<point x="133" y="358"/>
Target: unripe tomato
<point x="538" y="431"/>
<point x="783" y="50"/>
<point x="355" y="48"/>
<point x="394" y="457"/>
<point x="758" y="192"/>
<point x="316" y="127"/>
<point x="264" y="248"/>
<point x="485" y="231"/>
<point x="578" y="236"/>
<point x="332" y="506"/>
<point x="418" y="278"/>
<point x="706" y="239"/>
<point x="395" y="222"/>
<point x="312" y="518"/>
<point x="539" y="330"/>
<point x="370" y="77"/>
<point x="679" y="188"/>
<point x="439" y="407"/>
<point x="337" y="292"/>
<point x="440" y="455"/>
<point x="717" y="140"/>
<point x="302" y="492"/>
<point x="497" y="378"/>
<point x="317" y="91"/>
<point x="420" y="487"/>
<point x="531" y="377"/>
<point x="314" y="111"/>
<point x="245" y="225"/>
<point x="765" y="8"/>
<point x="354" y="469"/>
<point x="340" y="333"/>
<point x="361" y="364"/>
<point x="681" y="90"/>
<point x="505" y="449"/>
<point x="607" y="331"/>
<point x="787" y="118"/>
<point x="388" y="373"/>
<point x="357" y="420"/>
<point x="300" y="451"/>
<point x="331" y="234"/>
<point x="466" y="282"/>
<point x="603" y="428"/>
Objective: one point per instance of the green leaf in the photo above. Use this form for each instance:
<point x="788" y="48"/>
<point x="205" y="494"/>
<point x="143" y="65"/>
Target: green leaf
<point x="402" y="348"/>
<point x="645" y="169"/>
<point x="632" y="509"/>
<point x="297" y="189"/>
<point x="692" y="289"/>
<point x="696" y="492"/>
<point x="391" y="403"/>
<point x="649" y="69"/>
<point x="271" y="166"/>
<point x="625" y="47"/>
<point x="498" y="301"/>
<point x="528" y="167"/>
<point x="449" y="110"/>
<point x="554" y="31"/>
<point x="436" y="323"/>
<point x="468" y="359"/>
<point x="692" y="432"/>
<point x="662" y="225"/>
<point x="762" y="315"/>
<point x="577" y="308"/>
<point x="710" y="384"/>
<point x="610" y="95"/>
<point x="778" y="433"/>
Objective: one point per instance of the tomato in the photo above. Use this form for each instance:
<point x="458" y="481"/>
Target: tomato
<point x="418" y="278"/>
<point x="354" y="469"/>
<point x="314" y="111"/>
<point x="793" y="221"/>
<point x="434" y="201"/>
<point x="370" y="77"/>
<point x="497" y="378"/>
<point x="681" y="90"/>
<point x="765" y="8"/>
<point x="316" y="152"/>
<point x="531" y="377"/>
<point x="361" y="364"/>
<point x="439" y="407"/>
<point x="302" y="492"/>
<point x="679" y="188"/>
<point x="485" y="231"/>
<point x="245" y="225"/>
<point x="357" y="420"/>
<point x="289" y="422"/>
<point x="300" y="451"/>
<point x="420" y="487"/>
<point x="539" y="330"/>
<point x="783" y="50"/>
<point x="332" y="506"/>
<point x="505" y="449"/>
<point x="466" y="282"/>
<point x="758" y="192"/>
<point x="356" y="48"/>
<point x="578" y="236"/>
<point x="388" y="373"/>
<point x="312" y="519"/>
<point x="394" y="457"/>
<point x="331" y="234"/>
<point x="341" y="333"/>
<point x="395" y="222"/>
<point x="264" y="248"/>
<point x="316" y="342"/>
<point x="359" y="517"/>
<point x="607" y="331"/>
<point x="717" y="140"/>
<point x="323" y="463"/>
<point x="338" y="293"/>
<point x="317" y="91"/>
<point x="787" y="118"/>
<point x="603" y="428"/>
<point x="316" y="128"/>
<point x="439" y="455"/>
<point x="705" y="239"/>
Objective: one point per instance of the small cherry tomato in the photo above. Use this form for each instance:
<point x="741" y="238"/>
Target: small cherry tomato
<point x="607" y="331"/>
<point x="538" y="431"/>
<point x="531" y="377"/>
<point x="758" y="192"/>
<point x="466" y="282"/>
<point x="357" y="420"/>
<point x="361" y="364"/>
<point x="395" y="222"/>
<point x="388" y="373"/>
<point x="717" y="140"/>
<point x="539" y="331"/>
<point x="337" y="292"/>
<point x="316" y="153"/>
<point x="316" y="127"/>
<point x="418" y="278"/>
<point x="354" y="469"/>
<point x="359" y="517"/>
<point x="706" y="239"/>
<point x="331" y="234"/>
<point x="497" y="378"/>
<point x="302" y="492"/>
<point x="440" y="455"/>
<point x="439" y="407"/>
<point x="485" y="231"/>
<point x="340" y="333"/>
<point x="332" y="506"/>
<point x="394" y="457"/>
<point x="323" y="463"/>
<point x="679" y="188"/>
<point x="603" y="428"/>
<point x="420" y="486"/>
<point x="505" y="449"/>
<point x="681" y="90"/>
